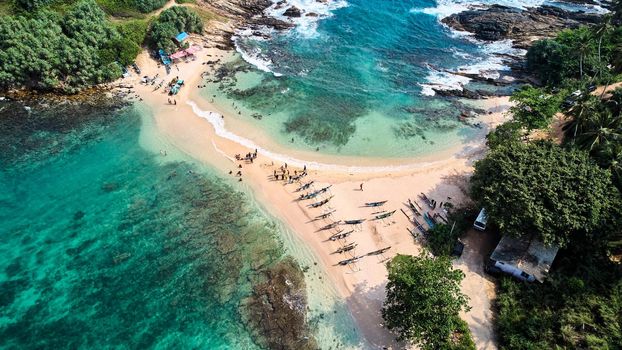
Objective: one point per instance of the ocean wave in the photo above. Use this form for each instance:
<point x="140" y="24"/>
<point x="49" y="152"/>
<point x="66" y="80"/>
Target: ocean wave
<point x="218" y="123"/>
<point x="446" y="8"/>
<point x="312" y="11"/>
<point x="488" y="66"/>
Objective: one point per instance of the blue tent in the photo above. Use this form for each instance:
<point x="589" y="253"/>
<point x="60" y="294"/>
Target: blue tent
<point x="181" y="37"/>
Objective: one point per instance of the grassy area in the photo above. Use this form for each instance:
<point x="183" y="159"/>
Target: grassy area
<point x="186" y="2"/>
<point x="207" y="15"/>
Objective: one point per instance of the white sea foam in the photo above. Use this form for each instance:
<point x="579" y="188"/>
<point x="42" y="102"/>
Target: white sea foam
<point x="446" y="8"/>
<point x="218" y="123"/>
<point x="312" y="11"/>
<point x="306" y="26"/>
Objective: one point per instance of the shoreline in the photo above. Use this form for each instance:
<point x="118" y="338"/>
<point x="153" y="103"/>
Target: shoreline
<point x="363" y="291"/>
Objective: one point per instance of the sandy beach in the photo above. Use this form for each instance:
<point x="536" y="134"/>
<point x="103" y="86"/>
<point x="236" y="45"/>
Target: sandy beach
<point x="442" y="177"/>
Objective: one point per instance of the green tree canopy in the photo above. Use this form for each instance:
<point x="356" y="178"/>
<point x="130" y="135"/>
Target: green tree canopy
<point x="50" y="51"/>
<point x="541" y="188"/>
<point x="171" y="22"/>
<point x="505" y="133"/>
<point x="578" y="307"/>
<point x="534" y="108"/>
<point x="423" y="302"/>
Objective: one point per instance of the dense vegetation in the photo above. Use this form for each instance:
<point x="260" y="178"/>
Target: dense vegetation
<point x="126" y="8"/>
<point x="424" y="301"/>
<point x="67" y="45"/>
<point x="554" y="193"/>
<point x="50" y="51"/>
<point x="584" y="54"/>
<point x="567" y="194"/>
<point x="170" y="22"/>
<point x="579" y="307"/>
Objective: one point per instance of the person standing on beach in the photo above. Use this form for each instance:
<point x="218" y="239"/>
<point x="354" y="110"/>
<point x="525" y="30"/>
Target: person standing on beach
<point x="361" y="187"/>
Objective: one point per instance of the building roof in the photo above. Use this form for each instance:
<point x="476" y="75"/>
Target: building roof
<point x="526" y="253"/>
<point x="181" y="36"/>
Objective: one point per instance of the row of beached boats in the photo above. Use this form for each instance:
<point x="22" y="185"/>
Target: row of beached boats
<point x="339" y="235"/>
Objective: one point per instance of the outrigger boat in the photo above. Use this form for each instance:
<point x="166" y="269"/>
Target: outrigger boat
<point x="420" y="227"/>
<point x="305" y="186"/>
<point x="349" y="261"/>
<point x="379" y="251"/>
<point x="413" y="208"/>
<point x="331" y="225"/>
<point x="428" y="201"/>
<point x="384" y="216"/>
<point x="340" y="235"/>
<point x="429" y="220"/>
<point x="325" y="215"/>
<point x="322" y="190"/>
<point x="320" y="203"/>
<point x="315" y="193"/>
<point x="375" y="204"/>
<point x="346" y="248"/>
<point x="353" y="222"/>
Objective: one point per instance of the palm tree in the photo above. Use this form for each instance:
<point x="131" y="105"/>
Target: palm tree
<point x="581" y="113"/>
<point x="602" y="130"/>
<point x="601" y="30"/>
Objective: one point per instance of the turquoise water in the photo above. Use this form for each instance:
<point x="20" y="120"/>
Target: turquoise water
<point x="357" y="77"/>
<point x="357" y="81"/>
<point x="104" y="246"/>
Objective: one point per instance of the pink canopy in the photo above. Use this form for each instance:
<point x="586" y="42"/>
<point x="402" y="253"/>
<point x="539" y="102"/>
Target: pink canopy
<point x="187" y="52"/>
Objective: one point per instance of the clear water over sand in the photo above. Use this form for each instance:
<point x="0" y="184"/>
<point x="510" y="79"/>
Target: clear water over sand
<point x="104" y="245"/>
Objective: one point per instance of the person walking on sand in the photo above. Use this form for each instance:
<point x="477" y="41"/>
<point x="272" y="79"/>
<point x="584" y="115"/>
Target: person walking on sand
<point x="361" y="187"/>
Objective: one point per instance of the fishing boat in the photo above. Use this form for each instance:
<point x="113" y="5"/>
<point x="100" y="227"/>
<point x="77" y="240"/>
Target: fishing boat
<point x="322" y="190"/>
<point x="439" y="216"/>
<point x="432" y="217"/>
<point x="325" y="215"/>
<point x="305" y="186"/>
<point x="353" y="222"/>
<point x="329" y="226"/>
<point x="429" y="220"/>
<point x="413" y="208"/>
<point x="384" y="216"/>
<point x="320" y="203"/>
<point x="349" y="261"/>
<point x="428" y="201"/>
<point x="375" y="204"/>
<point x="420" y="227"/>
<point x="346" y="248"/>
<point x="379" y="251"/>
<point x="337" y="236"/>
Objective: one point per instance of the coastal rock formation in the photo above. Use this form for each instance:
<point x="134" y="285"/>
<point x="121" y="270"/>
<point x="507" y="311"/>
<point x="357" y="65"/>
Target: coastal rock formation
<point x="277" y="307"/>
<point x="523" y="26"/>
<point x="292" y="12"/>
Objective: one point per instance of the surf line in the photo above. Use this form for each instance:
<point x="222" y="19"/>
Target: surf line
<point x="218" y="123"/>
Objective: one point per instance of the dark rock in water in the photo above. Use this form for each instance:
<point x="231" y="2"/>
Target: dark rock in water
<point x="312" y="14"/>
<point x="523" y="26"/>
<point x="276" y="309"/>
<point x="78" y="215"/>
<point x="292" y="12"/>
<point x="109" y="187"/>
<point x="465" y="93"/>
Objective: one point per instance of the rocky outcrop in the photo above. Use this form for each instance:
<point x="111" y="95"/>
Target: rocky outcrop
<point x="292" y="12"/>
<point x="522" y="26"/>
<point x="276" y="310"/>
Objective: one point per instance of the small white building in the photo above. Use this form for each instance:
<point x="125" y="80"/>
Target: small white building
<point x="525" y="258"/>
